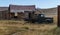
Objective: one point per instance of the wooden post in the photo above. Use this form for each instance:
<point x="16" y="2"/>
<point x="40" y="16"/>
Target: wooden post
<point x="58" y="16"/>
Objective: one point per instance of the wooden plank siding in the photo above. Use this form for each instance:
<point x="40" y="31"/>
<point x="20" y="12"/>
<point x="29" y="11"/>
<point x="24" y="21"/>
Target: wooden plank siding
<point x="4" y="15"/>
<point x="21" y="10"/>
<point x="58" y="16"/>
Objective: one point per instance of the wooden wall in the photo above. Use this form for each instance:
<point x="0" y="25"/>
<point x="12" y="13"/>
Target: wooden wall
<point x="19" y="16"/>
<point x="58" y="16"/>
<point x="4" y="15"/>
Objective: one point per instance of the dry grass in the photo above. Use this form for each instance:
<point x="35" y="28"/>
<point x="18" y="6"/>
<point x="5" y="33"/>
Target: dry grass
<point x="12" y="27"/>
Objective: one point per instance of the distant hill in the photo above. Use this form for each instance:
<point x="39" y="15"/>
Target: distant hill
<point x="48" y="12"/>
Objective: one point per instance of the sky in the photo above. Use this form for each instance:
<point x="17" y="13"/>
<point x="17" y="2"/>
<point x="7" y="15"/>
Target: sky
<point x="37" y="3"/>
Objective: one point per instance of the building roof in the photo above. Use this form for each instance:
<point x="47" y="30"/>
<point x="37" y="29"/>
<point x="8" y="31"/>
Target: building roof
<point x="22" y="7"/>
<point x="3" y="8"/>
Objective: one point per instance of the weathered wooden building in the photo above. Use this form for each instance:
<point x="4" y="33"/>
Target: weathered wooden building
<point x="4" y="13"/>
<point x="20" y="11"/>
<point x="16" y="11"/>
